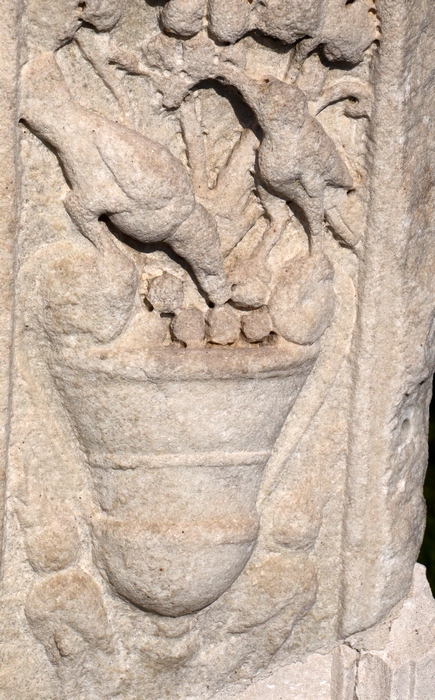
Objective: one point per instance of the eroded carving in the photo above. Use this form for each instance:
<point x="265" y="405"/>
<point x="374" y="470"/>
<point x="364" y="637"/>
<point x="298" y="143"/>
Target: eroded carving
<point x="203" y="258"/>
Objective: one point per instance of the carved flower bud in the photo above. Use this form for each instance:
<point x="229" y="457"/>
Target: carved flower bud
<point x="189" y="327"/>
<point x="223" y="325"/>
<point x="165" y="293"/>
<point x="257" y="325"/>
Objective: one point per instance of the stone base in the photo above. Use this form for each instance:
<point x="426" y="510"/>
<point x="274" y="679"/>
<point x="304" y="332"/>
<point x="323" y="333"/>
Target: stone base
<point x="393" y="661"/>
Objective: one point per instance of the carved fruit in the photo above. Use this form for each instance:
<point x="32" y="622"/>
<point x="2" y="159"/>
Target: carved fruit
<point x="102" y="14"/>
<point x="297" y="515"/>
<point x="183" y="17"/>
<point x="189" y="327"/>
<point x="165" y="293"/>
<point x="348" y="33"/>
<point x="223" y="326"/>
<point x="257" y="325"/>
<point x="50" y="535"/>
<point x="290" y="20"/>
<point x="251" y="293"/>
<point x="85" y="291"/>
<point x="302" y="303"/>
<point x="229" y="21"/>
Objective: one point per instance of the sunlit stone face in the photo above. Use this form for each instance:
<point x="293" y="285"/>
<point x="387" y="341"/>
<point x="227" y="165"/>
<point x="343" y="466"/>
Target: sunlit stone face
<point x="217" y="272"/>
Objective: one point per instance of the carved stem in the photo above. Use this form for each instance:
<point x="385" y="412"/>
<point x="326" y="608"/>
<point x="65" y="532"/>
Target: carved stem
<point x="107" y="75"/>
<point x="195" y="146"/>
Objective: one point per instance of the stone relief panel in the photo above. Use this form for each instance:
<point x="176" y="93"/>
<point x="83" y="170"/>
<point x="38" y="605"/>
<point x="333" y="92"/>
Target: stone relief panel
<point x="194" y="196"/>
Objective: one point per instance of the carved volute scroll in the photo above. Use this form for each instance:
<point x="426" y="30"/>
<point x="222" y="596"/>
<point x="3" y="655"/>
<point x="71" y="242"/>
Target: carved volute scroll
<point x="195" y="185"/>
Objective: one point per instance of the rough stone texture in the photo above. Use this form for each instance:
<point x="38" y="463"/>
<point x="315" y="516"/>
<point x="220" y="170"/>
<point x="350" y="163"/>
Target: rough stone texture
<point x="218" y="284"/>
<point x="394" y="660"/>
<point x="8" y="221"/>
<point x="397" y="658"/>
<point x="321" y="676"/>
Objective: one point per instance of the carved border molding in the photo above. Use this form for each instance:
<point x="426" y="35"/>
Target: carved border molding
<point x="391" y="377"/>
<point x="9" y="204"/>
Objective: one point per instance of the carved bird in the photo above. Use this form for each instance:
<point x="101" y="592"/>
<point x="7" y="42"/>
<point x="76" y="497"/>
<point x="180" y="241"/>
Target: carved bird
<point x="296" y="159"/>
<point x="137" y="183"/>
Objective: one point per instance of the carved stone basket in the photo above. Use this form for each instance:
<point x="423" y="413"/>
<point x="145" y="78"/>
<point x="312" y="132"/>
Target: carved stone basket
<point x="177" y="441"/>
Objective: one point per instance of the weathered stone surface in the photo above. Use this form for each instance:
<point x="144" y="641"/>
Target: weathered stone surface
<point x="218" y="288"/>
<point x="394" y="660"/>
<point x="397" y="658"/>
<point x="321" y="676"/>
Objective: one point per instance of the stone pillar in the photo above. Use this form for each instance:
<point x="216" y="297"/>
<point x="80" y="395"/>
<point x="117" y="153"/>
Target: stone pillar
<point x="218" y="343"/>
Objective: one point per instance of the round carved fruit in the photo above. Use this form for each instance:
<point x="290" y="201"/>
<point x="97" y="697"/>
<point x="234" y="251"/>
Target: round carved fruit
<point x="303" y="301"/>
<point x="165" y="293"/>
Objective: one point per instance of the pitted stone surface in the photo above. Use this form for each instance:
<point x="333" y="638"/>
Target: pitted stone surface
<point x="394" y="660"/>
<point x="217" y="333"/>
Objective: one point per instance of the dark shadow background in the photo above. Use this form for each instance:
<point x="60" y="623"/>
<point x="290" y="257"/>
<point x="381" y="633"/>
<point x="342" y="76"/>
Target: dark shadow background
<point x="427" y="554"/>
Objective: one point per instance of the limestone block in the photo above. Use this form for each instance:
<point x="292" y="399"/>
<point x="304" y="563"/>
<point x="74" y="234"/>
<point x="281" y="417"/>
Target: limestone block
<point x="217" y="340"/>
<point x="322" y="676"/>
<point x="394" y="660"/>
<point x="402" y="666"/>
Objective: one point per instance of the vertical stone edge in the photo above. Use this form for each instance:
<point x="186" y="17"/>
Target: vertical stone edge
<point x="9" y="72"/>
<point x="393" y="348"/>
